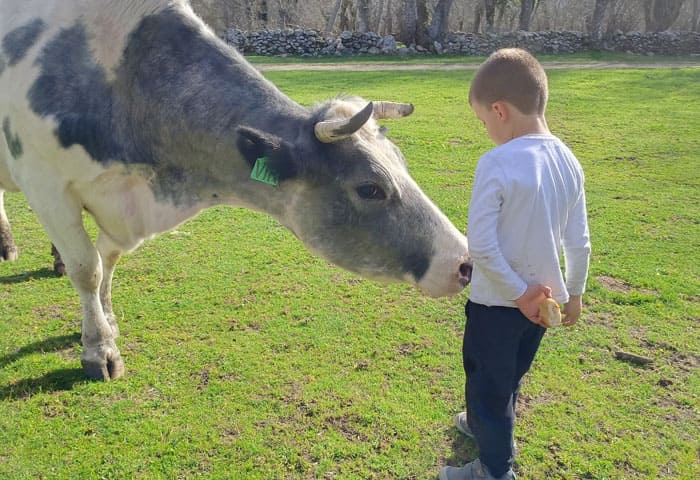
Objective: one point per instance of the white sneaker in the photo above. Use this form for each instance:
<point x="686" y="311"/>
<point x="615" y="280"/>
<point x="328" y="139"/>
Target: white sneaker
<point x="463" y="425"/>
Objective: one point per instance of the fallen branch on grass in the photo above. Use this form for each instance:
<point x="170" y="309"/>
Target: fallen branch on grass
<point x="632" y="358"/>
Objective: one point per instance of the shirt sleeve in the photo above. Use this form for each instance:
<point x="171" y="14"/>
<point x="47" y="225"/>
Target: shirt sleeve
<point x="482" y="231"/>
<point x="577" y="247"/>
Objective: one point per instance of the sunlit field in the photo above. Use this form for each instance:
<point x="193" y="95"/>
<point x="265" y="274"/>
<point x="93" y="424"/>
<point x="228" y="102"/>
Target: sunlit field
<point x="249" y="358"/>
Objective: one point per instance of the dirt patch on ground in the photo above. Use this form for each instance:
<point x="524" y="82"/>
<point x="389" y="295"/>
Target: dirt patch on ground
<point x="616" y="285"/>
<point x="613" y="284"/>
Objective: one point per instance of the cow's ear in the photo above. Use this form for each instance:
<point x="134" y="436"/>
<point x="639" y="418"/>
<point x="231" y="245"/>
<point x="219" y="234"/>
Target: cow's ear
<point x="254" y="144"/>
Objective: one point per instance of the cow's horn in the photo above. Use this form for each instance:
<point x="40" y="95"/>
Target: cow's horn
<point x="392" y="110"/>
<point x="330" y="131"/>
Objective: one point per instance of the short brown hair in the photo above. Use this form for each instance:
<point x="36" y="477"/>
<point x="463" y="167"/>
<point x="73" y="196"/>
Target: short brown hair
<point x="514" y="76"/>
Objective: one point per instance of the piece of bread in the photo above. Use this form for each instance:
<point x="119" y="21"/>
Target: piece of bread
<point x="550" y="312"/>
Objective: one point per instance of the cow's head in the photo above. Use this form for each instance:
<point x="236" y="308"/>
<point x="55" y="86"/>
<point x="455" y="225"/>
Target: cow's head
<point x="352" y="200"/>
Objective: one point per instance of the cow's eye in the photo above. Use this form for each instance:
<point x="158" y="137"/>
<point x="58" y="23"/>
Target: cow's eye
<point x="371" y="191"/>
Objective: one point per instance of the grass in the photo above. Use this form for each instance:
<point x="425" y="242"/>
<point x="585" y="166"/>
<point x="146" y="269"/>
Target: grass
<point x="581" y="57"/>
<point x="248" y="358"/>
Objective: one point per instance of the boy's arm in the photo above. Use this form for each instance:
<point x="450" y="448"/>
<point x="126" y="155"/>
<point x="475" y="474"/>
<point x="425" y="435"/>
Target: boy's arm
<point x="482" y="229"/>
<point x="577" y="252"/>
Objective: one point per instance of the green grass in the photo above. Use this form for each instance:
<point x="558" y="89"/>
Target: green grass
<point x="582" y="57"/>
<point x="249" y="358"/>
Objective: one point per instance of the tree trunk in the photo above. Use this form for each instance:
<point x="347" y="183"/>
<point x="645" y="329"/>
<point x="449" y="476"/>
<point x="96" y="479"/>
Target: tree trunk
<point x="696" y="15"/>
<point x="284" y="12"/>
<point x="659" y="15"/>
<point x="526" y="10"/>
<point x="363" y="15"/>
<point x="389" y="19"/>
<point x="333" y="16"/>
<point x="478" y="13"/>
<point x="489" y="14"/>
<point x="252" y="14"/>
<point x="347" y="20"/>
<point x="262" y="13"/>
<point x="380" y="16"/>
<point x="422" y="22"/>
<point x="598" y="14"/>
<point x="409" y="22"/>
<point x="441" y="17"/>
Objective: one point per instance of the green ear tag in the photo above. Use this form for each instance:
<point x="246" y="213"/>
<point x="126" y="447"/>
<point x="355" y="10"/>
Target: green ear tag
<point x="261" y="172"/>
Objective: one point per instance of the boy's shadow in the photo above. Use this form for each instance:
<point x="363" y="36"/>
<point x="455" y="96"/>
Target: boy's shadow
<point x="464" y="449"/>
<point x="56" y="380"/>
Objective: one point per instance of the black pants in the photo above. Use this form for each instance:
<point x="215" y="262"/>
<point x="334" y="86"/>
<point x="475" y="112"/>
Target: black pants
<point x="498" y="349"/>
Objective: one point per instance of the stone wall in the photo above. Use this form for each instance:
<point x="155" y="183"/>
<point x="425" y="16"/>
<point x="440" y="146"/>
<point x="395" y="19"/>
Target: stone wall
<point x="314" y="43"/>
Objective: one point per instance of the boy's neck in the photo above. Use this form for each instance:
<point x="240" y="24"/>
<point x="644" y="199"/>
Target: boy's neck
<point x="521" y="125"/>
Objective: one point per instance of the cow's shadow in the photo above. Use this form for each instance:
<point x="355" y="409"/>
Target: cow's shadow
<point x="26" y="276"/>
<point x="56" y="380"/>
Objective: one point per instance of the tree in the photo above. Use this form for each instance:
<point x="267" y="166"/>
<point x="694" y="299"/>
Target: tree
<point x="409" y="22"/>
<point x="659" y="15"/>
<point x="489" y="14"/>
<point x="440" y="21"/>
<point x="334" y="14"/>
<point x="597" y="22"/>
<point x="388" y="18"/>
<point x="285" y="9"/>
<point x="347" y="16"/>
<point x="527" y="8"/>
<point x="478" y="12"/>
<point x="363" y="15"/>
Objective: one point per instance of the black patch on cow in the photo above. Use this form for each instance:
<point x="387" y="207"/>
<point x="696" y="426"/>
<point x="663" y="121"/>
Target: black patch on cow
<point x="73" y="89"/>
<point x="17" y="43"/>
<point x="173" y="104"/>
<point x="13" y="141"/>
<point x="417" y="264"/>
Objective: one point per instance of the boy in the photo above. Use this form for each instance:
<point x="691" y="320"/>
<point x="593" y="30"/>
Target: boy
<point x="528" y="204"/>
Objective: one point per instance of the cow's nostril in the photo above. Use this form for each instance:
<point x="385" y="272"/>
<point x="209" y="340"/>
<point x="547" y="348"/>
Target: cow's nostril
<point x="465" y="270"/>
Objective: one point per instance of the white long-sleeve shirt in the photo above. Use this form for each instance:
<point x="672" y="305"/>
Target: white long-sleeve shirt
<point x="528" y="206"/>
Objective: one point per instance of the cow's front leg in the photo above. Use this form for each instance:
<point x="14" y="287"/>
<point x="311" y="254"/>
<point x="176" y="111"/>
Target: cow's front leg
<point x="100" y="358"/>
<point x="109" y="254"/>
<point x="8" y="249"/>
<point x="62" y="220"/>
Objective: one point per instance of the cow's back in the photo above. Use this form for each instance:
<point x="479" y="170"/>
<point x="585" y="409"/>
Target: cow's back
<point x="26" y="28"/>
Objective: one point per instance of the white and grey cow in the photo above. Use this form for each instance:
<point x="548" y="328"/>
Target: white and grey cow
<point x="135" y="112"/>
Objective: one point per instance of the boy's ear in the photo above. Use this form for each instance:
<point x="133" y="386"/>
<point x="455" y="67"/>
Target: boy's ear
<point x="501" y="110"/>
<point x="254" y="144"/>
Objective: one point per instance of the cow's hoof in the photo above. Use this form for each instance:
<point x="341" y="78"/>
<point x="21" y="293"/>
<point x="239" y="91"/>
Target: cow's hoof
<point x="102" y="363"/>
<point x="10" y="253"/>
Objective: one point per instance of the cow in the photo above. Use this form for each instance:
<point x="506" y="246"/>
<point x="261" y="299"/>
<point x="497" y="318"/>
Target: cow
<point x="136" y="113"/>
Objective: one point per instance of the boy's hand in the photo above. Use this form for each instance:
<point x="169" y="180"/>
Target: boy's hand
<point x="529" y="302"/>
<point x="572" y="310"/>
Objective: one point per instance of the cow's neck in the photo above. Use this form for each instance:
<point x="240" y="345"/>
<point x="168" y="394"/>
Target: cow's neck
<point x="189" y="92"/>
